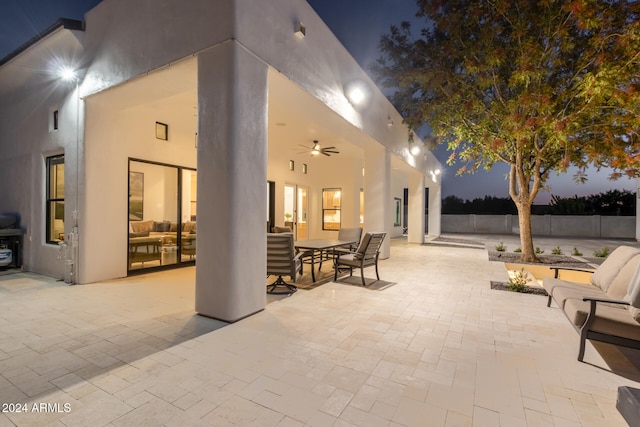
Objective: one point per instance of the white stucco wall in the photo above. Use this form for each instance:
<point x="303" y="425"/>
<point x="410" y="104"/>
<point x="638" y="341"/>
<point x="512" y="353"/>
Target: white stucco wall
<point x="320" y="64"/>
<point x="112" y="137"/>
<point x="127" y="42"/>
<point x="334" y="172"/>
<point x="30" y="90"/>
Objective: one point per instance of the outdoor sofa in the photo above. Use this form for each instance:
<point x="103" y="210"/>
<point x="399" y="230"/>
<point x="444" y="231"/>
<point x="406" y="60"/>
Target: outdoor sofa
<point x="608" y="309"/>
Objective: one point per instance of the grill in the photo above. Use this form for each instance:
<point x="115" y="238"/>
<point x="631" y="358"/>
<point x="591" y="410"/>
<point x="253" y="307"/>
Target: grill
<point x="10" y="241"/>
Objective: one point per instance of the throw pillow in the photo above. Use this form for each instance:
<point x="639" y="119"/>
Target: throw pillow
<point x="633" y="295"/>
<point x="162" y="227"/>
<point x="609" y="269"/>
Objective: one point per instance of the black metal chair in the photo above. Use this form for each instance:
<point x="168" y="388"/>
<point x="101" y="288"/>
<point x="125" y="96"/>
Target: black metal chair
<point x="282" y="260"/>
<point x="365" y="256"/>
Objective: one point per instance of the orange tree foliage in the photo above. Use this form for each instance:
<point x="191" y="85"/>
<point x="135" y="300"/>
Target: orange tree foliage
<point x="539" y="85"/>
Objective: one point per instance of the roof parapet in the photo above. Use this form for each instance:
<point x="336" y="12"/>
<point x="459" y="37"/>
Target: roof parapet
<point x="67" y="24"/>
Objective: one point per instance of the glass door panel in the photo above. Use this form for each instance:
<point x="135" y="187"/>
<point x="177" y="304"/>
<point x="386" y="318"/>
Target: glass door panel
<point x="290" y="207"/>
<point x="302" y="213"/>
<point x="189" y="209"/>
<point x="153" y="215"/>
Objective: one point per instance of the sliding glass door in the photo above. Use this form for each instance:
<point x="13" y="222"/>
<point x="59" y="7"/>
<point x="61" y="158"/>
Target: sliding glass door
<point x="162" y="215"/>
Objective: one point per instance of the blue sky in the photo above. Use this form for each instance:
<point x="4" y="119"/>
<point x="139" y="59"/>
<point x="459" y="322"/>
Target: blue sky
<point x="358" y="24"/>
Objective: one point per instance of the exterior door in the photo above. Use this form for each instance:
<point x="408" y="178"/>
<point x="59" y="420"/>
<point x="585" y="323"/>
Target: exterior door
<point x="302" y="203"/>
<point x="296" y="208"/>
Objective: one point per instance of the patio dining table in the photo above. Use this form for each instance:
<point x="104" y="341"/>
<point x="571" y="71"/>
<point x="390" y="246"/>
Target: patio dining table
<point x="321" y="250"/>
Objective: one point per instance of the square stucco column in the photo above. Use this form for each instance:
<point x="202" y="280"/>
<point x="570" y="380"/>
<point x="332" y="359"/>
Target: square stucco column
<point x="232" y="183"/>
<point x="435" y="209"/>
<point x="378" y="204"/>
<point x="415" y="215"/>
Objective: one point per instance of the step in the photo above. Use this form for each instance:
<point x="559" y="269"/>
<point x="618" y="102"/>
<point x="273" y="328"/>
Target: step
<point x="629" y="405"/>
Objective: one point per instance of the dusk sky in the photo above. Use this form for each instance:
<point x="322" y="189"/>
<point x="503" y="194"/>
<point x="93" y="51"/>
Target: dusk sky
<point x="358" y="24"/>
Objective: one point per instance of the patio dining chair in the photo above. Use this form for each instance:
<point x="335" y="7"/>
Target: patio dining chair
<point x="365" y="256"/>
<point x="282" y="260"/>
<point x="349" y="234"/>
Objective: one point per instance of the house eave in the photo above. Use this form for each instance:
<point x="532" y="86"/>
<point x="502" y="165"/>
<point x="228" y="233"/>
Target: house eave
<point x="64" y="23"/>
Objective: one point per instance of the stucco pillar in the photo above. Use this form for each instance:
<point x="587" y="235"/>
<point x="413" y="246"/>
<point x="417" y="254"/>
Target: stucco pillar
<point x="232" y="183"/>
<point x="435" y="209"/>
<point x="416" y="209"/>
<point x="378" y="203"/>
<point x="352" y="217"/>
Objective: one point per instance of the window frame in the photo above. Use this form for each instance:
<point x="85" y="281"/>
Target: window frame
<point x="336" y="208"/>
<point x="51" y="161"/>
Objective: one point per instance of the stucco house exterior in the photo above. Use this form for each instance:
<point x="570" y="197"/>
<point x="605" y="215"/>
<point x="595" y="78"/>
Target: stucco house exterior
<point x="179" y="120"/>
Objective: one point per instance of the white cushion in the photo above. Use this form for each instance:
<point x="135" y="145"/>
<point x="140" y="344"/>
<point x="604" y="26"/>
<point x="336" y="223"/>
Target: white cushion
<point x="607" y="272"/>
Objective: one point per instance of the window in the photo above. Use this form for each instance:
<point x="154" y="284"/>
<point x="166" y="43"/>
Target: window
<point x="397" y="212"/>
<point x="162" y="215"/>
<point x="55" y="199"/>
<point x="55" y="120"/>
<point x="331" y="203"/>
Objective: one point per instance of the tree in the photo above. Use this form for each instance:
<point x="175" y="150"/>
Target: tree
<point x="539" y="85"/>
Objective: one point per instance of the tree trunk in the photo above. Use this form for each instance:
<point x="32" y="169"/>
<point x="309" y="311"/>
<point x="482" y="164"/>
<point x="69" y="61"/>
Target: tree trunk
<point x="526" y="238"/>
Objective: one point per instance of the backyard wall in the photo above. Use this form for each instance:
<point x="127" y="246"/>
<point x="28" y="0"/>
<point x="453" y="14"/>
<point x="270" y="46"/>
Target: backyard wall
<point x="623" y="227"/>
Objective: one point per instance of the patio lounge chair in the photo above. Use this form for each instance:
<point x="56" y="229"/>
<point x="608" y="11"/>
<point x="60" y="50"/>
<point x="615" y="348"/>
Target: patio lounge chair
<point x="365" y="256"/>
<point x="282" y="260"/>
<point x="608" y="309"/>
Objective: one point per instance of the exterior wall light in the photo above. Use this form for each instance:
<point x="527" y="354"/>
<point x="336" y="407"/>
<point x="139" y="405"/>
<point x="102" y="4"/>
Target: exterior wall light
<point x="67" y="74"/>
<point x="301" y="31"/>
<point x="357" y="93"/>
<point x="415" y="149"/>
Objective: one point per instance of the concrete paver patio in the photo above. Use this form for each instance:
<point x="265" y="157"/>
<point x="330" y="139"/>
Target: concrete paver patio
<point x="433" y="346"/>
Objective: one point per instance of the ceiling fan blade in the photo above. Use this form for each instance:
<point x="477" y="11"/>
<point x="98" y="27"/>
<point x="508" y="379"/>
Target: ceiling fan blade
<point x="331" y="151"/>
<point x="329" y="148"/>
<point x="308" y="148"/>
<point x="325" y="153"/>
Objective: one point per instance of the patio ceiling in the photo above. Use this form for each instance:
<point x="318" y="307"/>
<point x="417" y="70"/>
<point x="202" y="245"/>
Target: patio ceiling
<point x="295" y="117"/>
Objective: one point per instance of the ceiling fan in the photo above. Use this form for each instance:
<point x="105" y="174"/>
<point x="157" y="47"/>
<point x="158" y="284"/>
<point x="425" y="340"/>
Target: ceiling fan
<point x="316" y="149"/>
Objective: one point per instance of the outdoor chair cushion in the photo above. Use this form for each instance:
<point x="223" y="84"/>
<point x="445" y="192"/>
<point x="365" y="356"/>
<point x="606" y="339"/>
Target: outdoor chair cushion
<point x="610" y="319"/>
<point x="350" y="259"/>
<point x="607" y="272"/>
<point x="569" y="290"/>
<point x="633" y="295"/>
<point x="550" y="284"/>
<point x="621" y="284"/>
<point x="278" y="229"/>
<point x="362" y="247"/>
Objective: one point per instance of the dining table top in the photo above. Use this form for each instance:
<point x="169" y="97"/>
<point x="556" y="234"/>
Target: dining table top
<point x="322" y="244"/>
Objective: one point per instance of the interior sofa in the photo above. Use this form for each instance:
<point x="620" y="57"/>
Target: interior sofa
<point x="608" y="308"/>
<point x="147" y="239"/>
